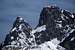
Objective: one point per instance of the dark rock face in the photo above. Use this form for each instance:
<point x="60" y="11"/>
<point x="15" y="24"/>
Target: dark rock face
<point x="20" y="28"/>
<point x="69" y="42"/>
<point x="48" y="17"/>
<point x="53" y="23"/>
<point x="58" y="24"/>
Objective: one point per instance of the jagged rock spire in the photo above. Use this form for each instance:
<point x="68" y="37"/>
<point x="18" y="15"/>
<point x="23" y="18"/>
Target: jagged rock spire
<point x="54" y="25"/>
<point x="58" y="23"/>
<point x="19" y="33"/>
<point x="18" y="21"/>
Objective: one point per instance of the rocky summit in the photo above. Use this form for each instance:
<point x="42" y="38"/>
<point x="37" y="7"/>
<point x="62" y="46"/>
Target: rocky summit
<point x="55" y="31"/>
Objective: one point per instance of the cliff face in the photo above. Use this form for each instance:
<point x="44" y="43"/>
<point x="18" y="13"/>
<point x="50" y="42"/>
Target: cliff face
<point x="58" y="23"/>
<point x="19" y="34"/>
<point x="55" y="30"/>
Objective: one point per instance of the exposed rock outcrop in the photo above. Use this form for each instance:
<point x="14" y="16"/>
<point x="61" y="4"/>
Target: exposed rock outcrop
<point x="55" y="31"/>
<point x="59" y="24"/>
<point x="19" y="34"/>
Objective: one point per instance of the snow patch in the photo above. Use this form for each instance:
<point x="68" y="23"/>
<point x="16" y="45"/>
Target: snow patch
<point x="62" y="11"/>
<point x="13" y="29"/>
<point x="39" y="29"/>
<point x="55" y="41"/>
<point x="72" y="16"/>
<point x="48" y="46"/>
<point x="21" y="18"/>
<point x="72" y="30"/>
<point x="12" y="37"/>
<point x="72" y="38"/>
<point x="59" y="21"/>
<point x="13" y="43"/>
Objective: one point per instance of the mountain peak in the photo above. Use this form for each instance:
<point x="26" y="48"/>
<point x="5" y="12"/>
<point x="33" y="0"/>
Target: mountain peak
<point x="55" y="26"/>
<point x="19" y="33"/>
<point x="58" y="23"/>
